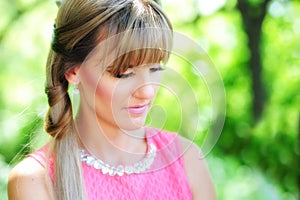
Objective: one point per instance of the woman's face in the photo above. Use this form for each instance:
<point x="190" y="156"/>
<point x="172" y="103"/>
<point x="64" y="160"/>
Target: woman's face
<point x="122" y="101"/>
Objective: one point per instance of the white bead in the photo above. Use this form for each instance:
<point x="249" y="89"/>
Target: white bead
<point x="112" y="171"/>
<point x="90" y="160"/>
<point x="98" y="164"/>
<point x="128" y="170"/>
<point x="120" y="170"/>
<point x="105" y="169"/>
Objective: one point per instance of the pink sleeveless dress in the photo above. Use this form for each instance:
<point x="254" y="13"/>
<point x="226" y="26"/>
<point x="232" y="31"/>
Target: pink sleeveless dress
<point x="165" y="180"/>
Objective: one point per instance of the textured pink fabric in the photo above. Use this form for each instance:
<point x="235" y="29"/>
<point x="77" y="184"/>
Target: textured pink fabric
<point x="165" y="180"/>
<point x="41" y="156"/>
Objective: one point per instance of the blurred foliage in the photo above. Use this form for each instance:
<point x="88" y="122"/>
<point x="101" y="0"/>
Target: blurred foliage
<point x="253" y="159"/>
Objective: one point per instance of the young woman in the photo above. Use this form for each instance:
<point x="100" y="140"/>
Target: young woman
<point x="111" y="52"/>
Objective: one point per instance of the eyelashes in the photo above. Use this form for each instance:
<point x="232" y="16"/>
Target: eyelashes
<point x="155" y="69"/>
<point x="130" y="74"/>
<point x="127" y="75"/>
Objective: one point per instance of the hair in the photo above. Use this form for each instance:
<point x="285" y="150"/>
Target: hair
<point x="79" y="27"/>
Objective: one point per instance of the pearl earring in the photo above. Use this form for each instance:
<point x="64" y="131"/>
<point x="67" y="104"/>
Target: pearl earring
<point x="75" y="90"/>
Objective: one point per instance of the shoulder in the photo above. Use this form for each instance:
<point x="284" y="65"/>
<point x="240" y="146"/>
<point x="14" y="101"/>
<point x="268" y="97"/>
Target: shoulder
<point x="197" y="171"/>
<point x="27" y="180"/>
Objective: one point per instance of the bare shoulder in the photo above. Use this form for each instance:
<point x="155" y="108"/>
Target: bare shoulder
<point x="197" y="171"/>
<point x="27" y="180"/>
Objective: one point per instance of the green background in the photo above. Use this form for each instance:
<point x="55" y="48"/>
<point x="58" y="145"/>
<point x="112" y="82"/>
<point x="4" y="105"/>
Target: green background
<point x="254" y="44"/>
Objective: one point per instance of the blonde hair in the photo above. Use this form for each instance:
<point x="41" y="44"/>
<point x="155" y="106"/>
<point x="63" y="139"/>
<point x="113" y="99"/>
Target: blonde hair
<point x="81" y="25"/>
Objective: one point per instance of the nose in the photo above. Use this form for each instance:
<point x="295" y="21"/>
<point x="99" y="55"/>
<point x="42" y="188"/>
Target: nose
<point x="146" y="91"/>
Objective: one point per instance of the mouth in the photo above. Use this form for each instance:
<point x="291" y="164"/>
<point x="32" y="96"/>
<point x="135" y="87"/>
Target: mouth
<point x="138" y="109"/>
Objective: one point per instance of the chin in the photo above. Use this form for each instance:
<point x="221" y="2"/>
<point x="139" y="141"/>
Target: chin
<point x="133" y="124"/>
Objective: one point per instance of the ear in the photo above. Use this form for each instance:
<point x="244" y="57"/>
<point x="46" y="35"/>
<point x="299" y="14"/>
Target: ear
<point x="72" y="75"/>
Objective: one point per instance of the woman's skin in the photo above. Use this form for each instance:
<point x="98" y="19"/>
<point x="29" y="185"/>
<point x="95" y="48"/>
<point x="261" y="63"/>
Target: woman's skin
<point x="110" y="122"/>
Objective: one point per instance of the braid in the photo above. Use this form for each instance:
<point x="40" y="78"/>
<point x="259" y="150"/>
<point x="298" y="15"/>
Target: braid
<point x="58" y="128"/>
<point x="60" y="125"/>
<point x="59" y="117"/>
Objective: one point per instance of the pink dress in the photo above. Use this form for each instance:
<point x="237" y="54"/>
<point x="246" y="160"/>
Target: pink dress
<point x="165" y="180"/>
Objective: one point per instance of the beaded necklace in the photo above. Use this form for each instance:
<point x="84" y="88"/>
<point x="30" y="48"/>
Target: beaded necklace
<point x="120" y="170"/>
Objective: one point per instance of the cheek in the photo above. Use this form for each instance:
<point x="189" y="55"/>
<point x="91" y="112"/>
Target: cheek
<point x="96" y="88"/>
<point x="104" y="91"/>
<point x="121" y="90"/>
<point x="110" y="93"/>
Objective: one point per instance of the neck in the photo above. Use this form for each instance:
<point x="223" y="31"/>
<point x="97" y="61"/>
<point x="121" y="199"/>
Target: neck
<point x="108" y="142"/>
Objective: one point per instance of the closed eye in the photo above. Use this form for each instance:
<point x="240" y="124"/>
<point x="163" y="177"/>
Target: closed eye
<point x="130" y="74"/>
<point x="127" y="75"/>
<point x="155" y="69"/>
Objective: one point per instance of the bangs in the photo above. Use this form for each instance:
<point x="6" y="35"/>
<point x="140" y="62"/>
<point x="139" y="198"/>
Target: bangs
<point x="145" y="36"/>
<point x="141" y="46"/>
<point x="139" y="33"/>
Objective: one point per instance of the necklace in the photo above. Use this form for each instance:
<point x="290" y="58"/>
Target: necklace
<point x="120" y="170"/>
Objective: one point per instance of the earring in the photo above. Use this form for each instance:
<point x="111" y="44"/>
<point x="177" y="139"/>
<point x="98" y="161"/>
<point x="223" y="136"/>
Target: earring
<point x="75" y="90"/>
<point x="75" y="100"/>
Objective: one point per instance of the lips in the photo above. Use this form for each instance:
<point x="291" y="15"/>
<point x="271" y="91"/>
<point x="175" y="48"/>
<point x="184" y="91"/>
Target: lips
<point x="137" y="110"/>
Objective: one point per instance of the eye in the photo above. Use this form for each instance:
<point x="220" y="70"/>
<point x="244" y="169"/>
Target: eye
<point x="158" y="68"/>
<point x="126" y="75"/>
